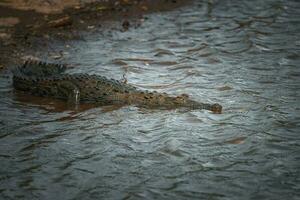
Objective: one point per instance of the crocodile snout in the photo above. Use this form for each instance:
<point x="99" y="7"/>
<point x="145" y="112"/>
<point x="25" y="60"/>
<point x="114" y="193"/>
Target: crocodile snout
<point x="216" y="108"/>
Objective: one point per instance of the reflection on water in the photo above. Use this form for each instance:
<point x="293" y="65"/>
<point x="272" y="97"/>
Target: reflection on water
<point x="242" y="54"/>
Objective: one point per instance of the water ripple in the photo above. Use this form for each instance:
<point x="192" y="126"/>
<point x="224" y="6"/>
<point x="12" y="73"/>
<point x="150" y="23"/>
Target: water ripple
<point x="243" y="54"/>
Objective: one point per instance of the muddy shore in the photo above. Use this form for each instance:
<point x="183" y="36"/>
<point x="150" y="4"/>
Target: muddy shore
<point x="24" y="32"/>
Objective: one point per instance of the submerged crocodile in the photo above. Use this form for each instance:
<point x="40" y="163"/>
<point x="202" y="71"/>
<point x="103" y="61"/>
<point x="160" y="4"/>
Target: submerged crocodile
<point x="48" y="80"/>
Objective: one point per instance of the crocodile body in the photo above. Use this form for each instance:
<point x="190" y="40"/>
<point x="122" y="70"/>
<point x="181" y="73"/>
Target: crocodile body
<point x="48" y="80"/>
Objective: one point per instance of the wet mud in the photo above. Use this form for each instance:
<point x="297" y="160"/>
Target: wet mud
<point x="24" y="31"/>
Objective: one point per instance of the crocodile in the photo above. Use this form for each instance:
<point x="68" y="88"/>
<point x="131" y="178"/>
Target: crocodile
<point x="49" y="80"/>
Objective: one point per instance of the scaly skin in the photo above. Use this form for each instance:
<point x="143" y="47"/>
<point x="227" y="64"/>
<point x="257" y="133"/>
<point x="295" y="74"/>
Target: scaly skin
<point x="47" y="80"/>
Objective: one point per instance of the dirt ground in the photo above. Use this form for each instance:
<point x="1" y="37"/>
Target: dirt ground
<point x="43" y="6"/>
<point x="23" y="24"/>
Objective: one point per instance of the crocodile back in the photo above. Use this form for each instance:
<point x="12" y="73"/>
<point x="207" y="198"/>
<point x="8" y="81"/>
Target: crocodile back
<point x="35" y="69"/>
<point x="48" y="80"/>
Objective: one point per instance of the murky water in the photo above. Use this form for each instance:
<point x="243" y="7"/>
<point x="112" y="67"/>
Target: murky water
<point x="241" y="54"/>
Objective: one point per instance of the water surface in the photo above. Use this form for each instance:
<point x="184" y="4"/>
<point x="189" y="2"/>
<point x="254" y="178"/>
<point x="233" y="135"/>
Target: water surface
<point x="241" y="54"/>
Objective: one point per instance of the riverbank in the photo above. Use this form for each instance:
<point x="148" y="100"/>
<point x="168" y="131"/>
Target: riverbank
<point x="23" y="31"/>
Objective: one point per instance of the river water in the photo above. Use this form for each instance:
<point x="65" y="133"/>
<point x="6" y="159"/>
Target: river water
<point x="241" y="54"/>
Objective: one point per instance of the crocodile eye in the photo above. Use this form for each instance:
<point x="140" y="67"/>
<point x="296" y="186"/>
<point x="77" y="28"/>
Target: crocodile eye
<point x="185" y="95"/>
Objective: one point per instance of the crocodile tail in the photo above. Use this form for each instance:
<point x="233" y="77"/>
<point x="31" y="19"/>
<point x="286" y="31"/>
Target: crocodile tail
<point x="32" y="68"/>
